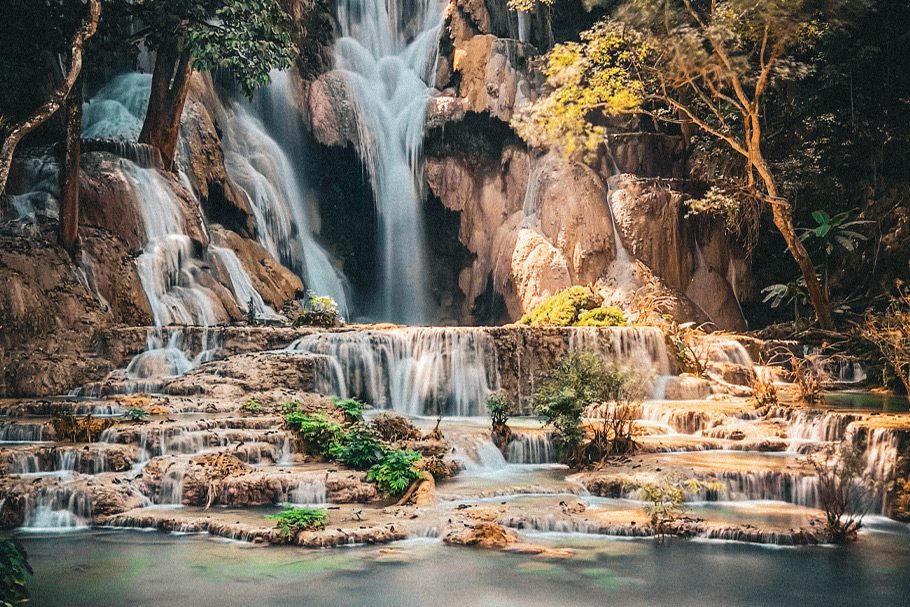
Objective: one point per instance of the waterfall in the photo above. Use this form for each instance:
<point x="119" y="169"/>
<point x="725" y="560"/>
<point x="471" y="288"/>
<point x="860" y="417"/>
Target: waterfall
<point x="57" y="507"/>
<point x="531" y="448"/>
<point x="309" y="493"/>
<point x="269" y="174"/>
<point x="387" y="51"/>
<point x="415" y="371"/>
<point x="245" y="294"/>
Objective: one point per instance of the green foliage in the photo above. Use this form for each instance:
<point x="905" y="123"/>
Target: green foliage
<point x="358" y="448"/>
<point x="609" y="316"/>
<point x="292" y="521"/>
<point x="499" y="408"/>
<point x="578" y="381"/>
<point x="834" y="230"/>
<point x="587" y="78"/>
<point x="288" y="407"/>
<point x="14" y="571"/>
<point x="353" y="408"/>
<point x="395" y="473"/>
<point x="663" y="503"/>
<point x="791" y="293"/>
<point x="664" y="500"/>
<point x="317" y="431"/>
<point x="563" y="308"/>
<point x="248" y="38"/>
<point x="252" y="407"/>
<point x="317" y="311"/>
<point x="136" y="414"/>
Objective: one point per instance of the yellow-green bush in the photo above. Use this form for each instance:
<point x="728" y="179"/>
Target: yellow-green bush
<point x="609" y="316"/>
<point x="563" y="308"/>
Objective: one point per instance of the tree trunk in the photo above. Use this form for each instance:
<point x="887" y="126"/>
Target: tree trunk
<point x="20" y="130"/>
<point x="783" y="219"/>
<point x="69" y="211"/>
<point x="170" y="85"/>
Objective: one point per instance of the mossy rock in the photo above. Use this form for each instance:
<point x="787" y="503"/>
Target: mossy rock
<point x="563" y="309"/>
<point x="610" y="316"/>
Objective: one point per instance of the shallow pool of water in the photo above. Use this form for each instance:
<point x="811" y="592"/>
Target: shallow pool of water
<point x="100" y="568"/>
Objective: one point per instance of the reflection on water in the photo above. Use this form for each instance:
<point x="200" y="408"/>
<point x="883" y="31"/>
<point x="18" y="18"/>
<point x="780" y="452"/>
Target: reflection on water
<point x="101" y="568"/>
<point x="890" y="403"/>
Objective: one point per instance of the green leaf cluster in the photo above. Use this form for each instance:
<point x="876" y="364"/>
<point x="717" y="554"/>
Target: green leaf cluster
<point x="358" y="448"/>
<point x="395" y="473"/>
<point x="247" y="38"/>
<point x="292" y="521"/>
<point x="562" y="309"/>
<point x="578" y="381"/>
<point x="317" y="430"/>
<point x="14" y="571"/>
<point x="499" y="408"/>
<point x="353" y="408"/>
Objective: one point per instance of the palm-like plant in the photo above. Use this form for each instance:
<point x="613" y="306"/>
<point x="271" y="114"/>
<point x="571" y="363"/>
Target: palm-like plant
<point x="835" y="230"/>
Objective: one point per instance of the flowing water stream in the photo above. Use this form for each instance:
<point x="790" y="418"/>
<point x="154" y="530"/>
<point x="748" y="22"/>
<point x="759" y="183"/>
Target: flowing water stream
<point x="387" y="51"/>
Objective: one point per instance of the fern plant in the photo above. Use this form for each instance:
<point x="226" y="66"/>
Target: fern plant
<point x="395" y="473"/>
<point x="292" y="521"/>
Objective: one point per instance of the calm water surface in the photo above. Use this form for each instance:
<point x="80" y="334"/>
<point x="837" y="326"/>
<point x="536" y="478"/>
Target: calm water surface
<point x="117" y="568"/>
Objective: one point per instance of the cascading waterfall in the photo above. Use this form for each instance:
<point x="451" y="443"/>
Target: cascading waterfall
<point x="169" y="270"/>
<point x="531" y="448"/>
<point x="387" y="50"/>
<point x="415" y="371"/>
<point x="269" y="174"/>
<point x="245" y="294"/>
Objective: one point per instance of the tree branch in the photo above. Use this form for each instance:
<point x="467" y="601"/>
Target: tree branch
<point x="57" y="98"/>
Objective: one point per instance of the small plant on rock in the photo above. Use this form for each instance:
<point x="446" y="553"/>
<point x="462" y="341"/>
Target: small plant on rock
<point x="358" y="448"/>
<point x="292" y="521"/>
<point x="764" y="393"/>
<point x="663" y="504"/>
<point x="352" y="408"/>
<point x="252" y="407"/>
<point x="14" y="571"/>
<point x="288" y="407"/>
<point x="499" y="408"/>
<point x="395" y="473"/>
<point x="136" y="414"/>
<point x="843" y="490"/>
<point x="317" y="431"/>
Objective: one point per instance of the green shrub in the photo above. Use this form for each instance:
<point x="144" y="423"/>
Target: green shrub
<point x="317" y="431"/>
<point x="292" y="521"/>
<point x="580" y="380"/>
<point x="316" y="311"/>
<point x="288" y="407"/>
<point x="562" y="309"/>
<point x="609" y="316"/>
<point x="353" y="408"/>
<point x="395" y="473"/>
<point x="252" y="407"/>
<point x="358" y="448"/>
<point x="136" y="414"/>
<point x="14" y="570"/>
<point x="498" y="407"/>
